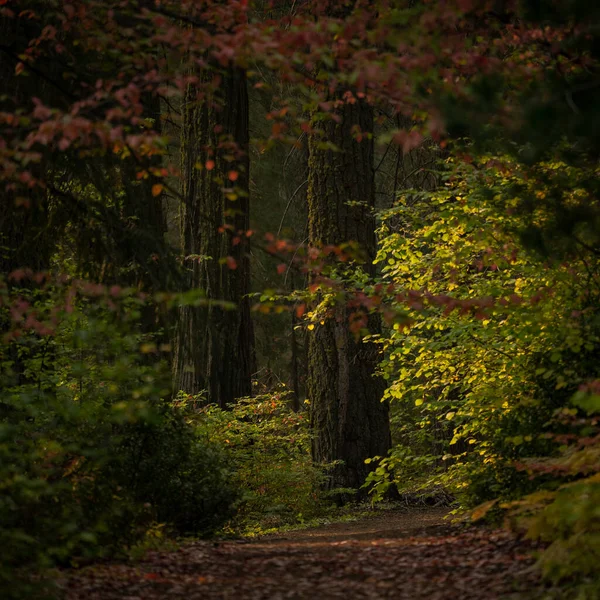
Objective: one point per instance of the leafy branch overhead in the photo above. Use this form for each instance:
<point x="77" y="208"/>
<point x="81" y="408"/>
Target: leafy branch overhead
<point x="263" y="259"/>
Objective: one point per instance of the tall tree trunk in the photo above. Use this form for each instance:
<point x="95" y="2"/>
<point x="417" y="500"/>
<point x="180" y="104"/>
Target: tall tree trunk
<point x="349" y="420"/>
<point x="214" y="346"/>
<point x="145" y="244"/>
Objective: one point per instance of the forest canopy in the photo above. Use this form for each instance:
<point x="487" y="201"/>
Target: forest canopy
<point x="262" y="257"/>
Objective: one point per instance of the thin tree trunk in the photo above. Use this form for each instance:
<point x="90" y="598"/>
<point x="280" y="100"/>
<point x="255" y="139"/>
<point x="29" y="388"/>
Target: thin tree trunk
<point x="294" y="366"/>
<point x="214" y="346"/>
<point x="349" y="420"/>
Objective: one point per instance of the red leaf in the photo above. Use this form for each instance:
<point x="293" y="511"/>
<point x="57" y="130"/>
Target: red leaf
<point x="232" y="263"/>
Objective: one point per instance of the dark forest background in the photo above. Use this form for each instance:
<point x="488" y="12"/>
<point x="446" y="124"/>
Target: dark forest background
<point x="262" y="260"/>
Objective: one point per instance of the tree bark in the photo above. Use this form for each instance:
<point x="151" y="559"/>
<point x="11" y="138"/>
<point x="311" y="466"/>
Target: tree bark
<point x="145" y="245"/>
<point x="214" y="345"/>
<point x="350" y="422"/>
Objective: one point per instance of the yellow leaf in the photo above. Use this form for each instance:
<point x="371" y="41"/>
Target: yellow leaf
<point x="480" y="512"/>
<point x="157" y="188"/>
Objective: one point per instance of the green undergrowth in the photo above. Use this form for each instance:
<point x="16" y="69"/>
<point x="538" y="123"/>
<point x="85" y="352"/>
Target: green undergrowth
<point x="91" y="455"/>
<point x="267" y="446"/>
<point x="327" y="515"/>
<point x="267" y="449"/>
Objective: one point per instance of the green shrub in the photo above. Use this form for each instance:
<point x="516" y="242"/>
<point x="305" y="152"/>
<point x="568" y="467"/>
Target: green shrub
<point x="495" y="342"/>
<point x="565" y="510"/>
<point x="268" y="447"/>
<point x="90" y="453"/>
<point x="184" y="478"/>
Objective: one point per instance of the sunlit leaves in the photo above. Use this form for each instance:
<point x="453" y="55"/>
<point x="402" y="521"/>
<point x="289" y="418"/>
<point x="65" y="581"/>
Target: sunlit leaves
<point x="475" y="373"/>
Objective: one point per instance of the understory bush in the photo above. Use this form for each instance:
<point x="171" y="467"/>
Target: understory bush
<point x="565" y="511"/>
<point x="91" y="455"/>
<point x="268" y="448"/>
<point x="489" y="368"/>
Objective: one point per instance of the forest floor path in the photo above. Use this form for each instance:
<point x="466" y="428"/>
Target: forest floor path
<point x="413" y="554"/>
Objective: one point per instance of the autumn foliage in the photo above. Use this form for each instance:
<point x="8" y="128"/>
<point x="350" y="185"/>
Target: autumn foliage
<point x="182" y="202"/>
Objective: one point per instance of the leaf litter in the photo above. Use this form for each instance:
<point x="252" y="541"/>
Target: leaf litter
<point x="409" y="554"/>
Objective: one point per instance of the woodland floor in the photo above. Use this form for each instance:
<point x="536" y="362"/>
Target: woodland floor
<point x="412" y="553"/>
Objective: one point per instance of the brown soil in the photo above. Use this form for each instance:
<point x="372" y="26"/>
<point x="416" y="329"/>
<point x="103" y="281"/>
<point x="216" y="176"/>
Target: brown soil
<point x="389" y="525"/>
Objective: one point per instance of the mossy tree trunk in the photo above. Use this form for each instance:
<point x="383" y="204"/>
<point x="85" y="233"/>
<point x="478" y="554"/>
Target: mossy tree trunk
<point x="349" y="420"/>
<point x="214" y="345"/>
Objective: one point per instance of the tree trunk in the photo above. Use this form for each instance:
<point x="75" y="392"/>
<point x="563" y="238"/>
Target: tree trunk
<point x="145" y="243"/>
<point x="349" y="420"/>
<point x="214" y="346"/>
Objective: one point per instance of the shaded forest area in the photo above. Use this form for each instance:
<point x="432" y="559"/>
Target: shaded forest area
<point x="261" y="260"/>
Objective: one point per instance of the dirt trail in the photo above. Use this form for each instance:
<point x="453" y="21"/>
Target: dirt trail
<point x="398" y="554"/>
<point x="385" y="525"/>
